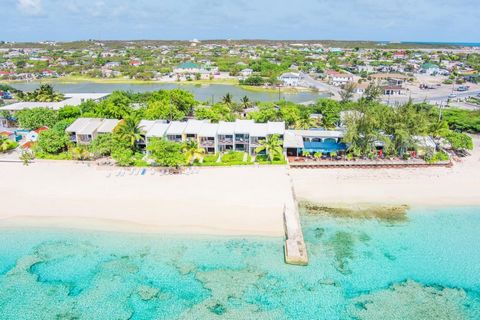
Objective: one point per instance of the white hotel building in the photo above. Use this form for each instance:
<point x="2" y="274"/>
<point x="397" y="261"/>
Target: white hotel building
<point x="241" y="135"/>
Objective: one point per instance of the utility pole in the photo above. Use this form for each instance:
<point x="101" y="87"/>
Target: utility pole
<point x="170" y="105"/>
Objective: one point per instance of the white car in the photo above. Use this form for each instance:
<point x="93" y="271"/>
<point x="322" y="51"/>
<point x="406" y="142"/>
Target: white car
<point x="452" y="95"/>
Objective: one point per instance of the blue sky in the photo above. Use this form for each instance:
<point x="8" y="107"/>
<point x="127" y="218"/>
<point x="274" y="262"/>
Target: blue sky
<point x="394" y="20"/>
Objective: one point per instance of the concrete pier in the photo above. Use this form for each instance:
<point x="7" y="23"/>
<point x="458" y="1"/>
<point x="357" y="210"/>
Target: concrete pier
<point x="295" y="248"/>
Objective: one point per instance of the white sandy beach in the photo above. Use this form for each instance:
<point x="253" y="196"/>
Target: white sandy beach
<point x="233" y="201"/>
<point x="456" y="186"/>
<point x="225" y="201"/>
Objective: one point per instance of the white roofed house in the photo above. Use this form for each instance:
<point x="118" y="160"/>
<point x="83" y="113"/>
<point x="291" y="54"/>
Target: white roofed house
<point x="207" y="137"/>
<point x="192" y="129"/>
<point x="107" y="126"/>
<point x="290" y="79"/>
<point x="242" y="134"/>
<point x="145" y="126"/>
<point x="339" y="78"/>
<point x="175" y="131"/>
<point x="155" y="129"/>
<point x="258" y="132"/>
<point x="261" y="131"/>
<point x="71" y="99"/>
<point x="84" y="130"/>
<point x="225" y="134"/>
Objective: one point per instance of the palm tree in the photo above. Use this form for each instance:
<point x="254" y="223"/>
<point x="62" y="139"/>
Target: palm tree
<point x="192" y="151"/>
<point x="80" y="153"/>
<point x="129" y="131"/>
<point x="228" y="98"/>
<point x="245" y="102"/>
<point x="272" y="145"/>
<point x="305" y="122"/>
<point x="27" y="156"/>
<point x="45" y="93"/>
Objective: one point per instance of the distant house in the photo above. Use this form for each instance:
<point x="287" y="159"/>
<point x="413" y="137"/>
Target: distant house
<point x="338" y="78"/>
<point x="49" y="73"/>
<point x="392" y="90"/>
<point x="396" y="79"/>
<point x="336" y="50"/>
<point x="112" y="64"/>
<point x="246" y="73"/>
<point x="136" y="62"/>
<point x="290" y="79"/>
<point x="429" y="68"/>
<point x="71" y="99"/>
<point x="361" y="87"/>
<point x="400" y="55"/>
<point x="32" y="136"/>
<point x="8" y="134"/>
<point x="188" y="67"/>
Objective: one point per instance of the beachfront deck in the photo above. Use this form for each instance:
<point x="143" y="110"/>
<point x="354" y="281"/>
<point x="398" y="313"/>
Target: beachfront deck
<point x="303" y="163"/>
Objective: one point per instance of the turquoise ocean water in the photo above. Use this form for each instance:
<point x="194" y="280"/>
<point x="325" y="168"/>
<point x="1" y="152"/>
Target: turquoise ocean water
<point x="425" y="268"/>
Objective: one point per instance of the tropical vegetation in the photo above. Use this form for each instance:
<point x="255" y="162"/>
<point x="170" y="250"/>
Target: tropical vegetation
<point x="367" y="123"/>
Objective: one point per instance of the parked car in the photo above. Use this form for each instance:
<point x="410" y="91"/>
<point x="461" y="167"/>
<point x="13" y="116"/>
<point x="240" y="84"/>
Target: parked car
<point x="463" y="88"/>
<point x="5" y="95"/>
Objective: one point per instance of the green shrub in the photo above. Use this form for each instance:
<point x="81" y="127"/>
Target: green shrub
<point x="436" y="157"/>
<point x="52" y="141"/>
<point x="232" y="156"/>
<point x="7" y="144"/>
<point x="210" y="158"/>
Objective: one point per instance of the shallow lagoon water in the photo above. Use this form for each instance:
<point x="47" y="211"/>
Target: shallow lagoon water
<point x="425" y="268"/>
<point x="201" y="92"/>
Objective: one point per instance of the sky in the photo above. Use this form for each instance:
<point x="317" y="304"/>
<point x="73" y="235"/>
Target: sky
<point x="381" y="20"/>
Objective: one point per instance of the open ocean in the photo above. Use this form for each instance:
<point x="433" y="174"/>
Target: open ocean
<point x="425" y="268"/>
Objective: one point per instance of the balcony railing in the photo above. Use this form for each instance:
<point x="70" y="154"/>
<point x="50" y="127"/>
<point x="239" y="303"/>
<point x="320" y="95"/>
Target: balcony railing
<point x="207" y="143"/>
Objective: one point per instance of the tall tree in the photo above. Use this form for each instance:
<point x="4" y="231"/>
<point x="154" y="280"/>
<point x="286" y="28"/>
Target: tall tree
<point x="166" y="153"/>
<point x="347" y="92"/>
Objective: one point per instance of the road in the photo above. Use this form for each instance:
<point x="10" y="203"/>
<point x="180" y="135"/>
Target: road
<point x="308" y="81"/>
<point x="393" y="100"/>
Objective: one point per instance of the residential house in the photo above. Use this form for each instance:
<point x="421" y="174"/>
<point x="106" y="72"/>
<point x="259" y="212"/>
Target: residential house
<point x="339" y="78"/>
<point x="71" y="99"/>
<point x="188" y="68"/>
<point x="84" y="130"/>
<point x="225" y="134"/>
<point x="290" y="79"/>
<point x="208" y="138"/>
<point x="175" y="131"/>
<point x="33" y="135"/>
<point x="430" y="68"/>
<point x="394" y="79"/>
<point x="245" y="73"/>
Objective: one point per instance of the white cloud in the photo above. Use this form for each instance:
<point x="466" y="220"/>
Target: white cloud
<point x="30" y="7"/>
